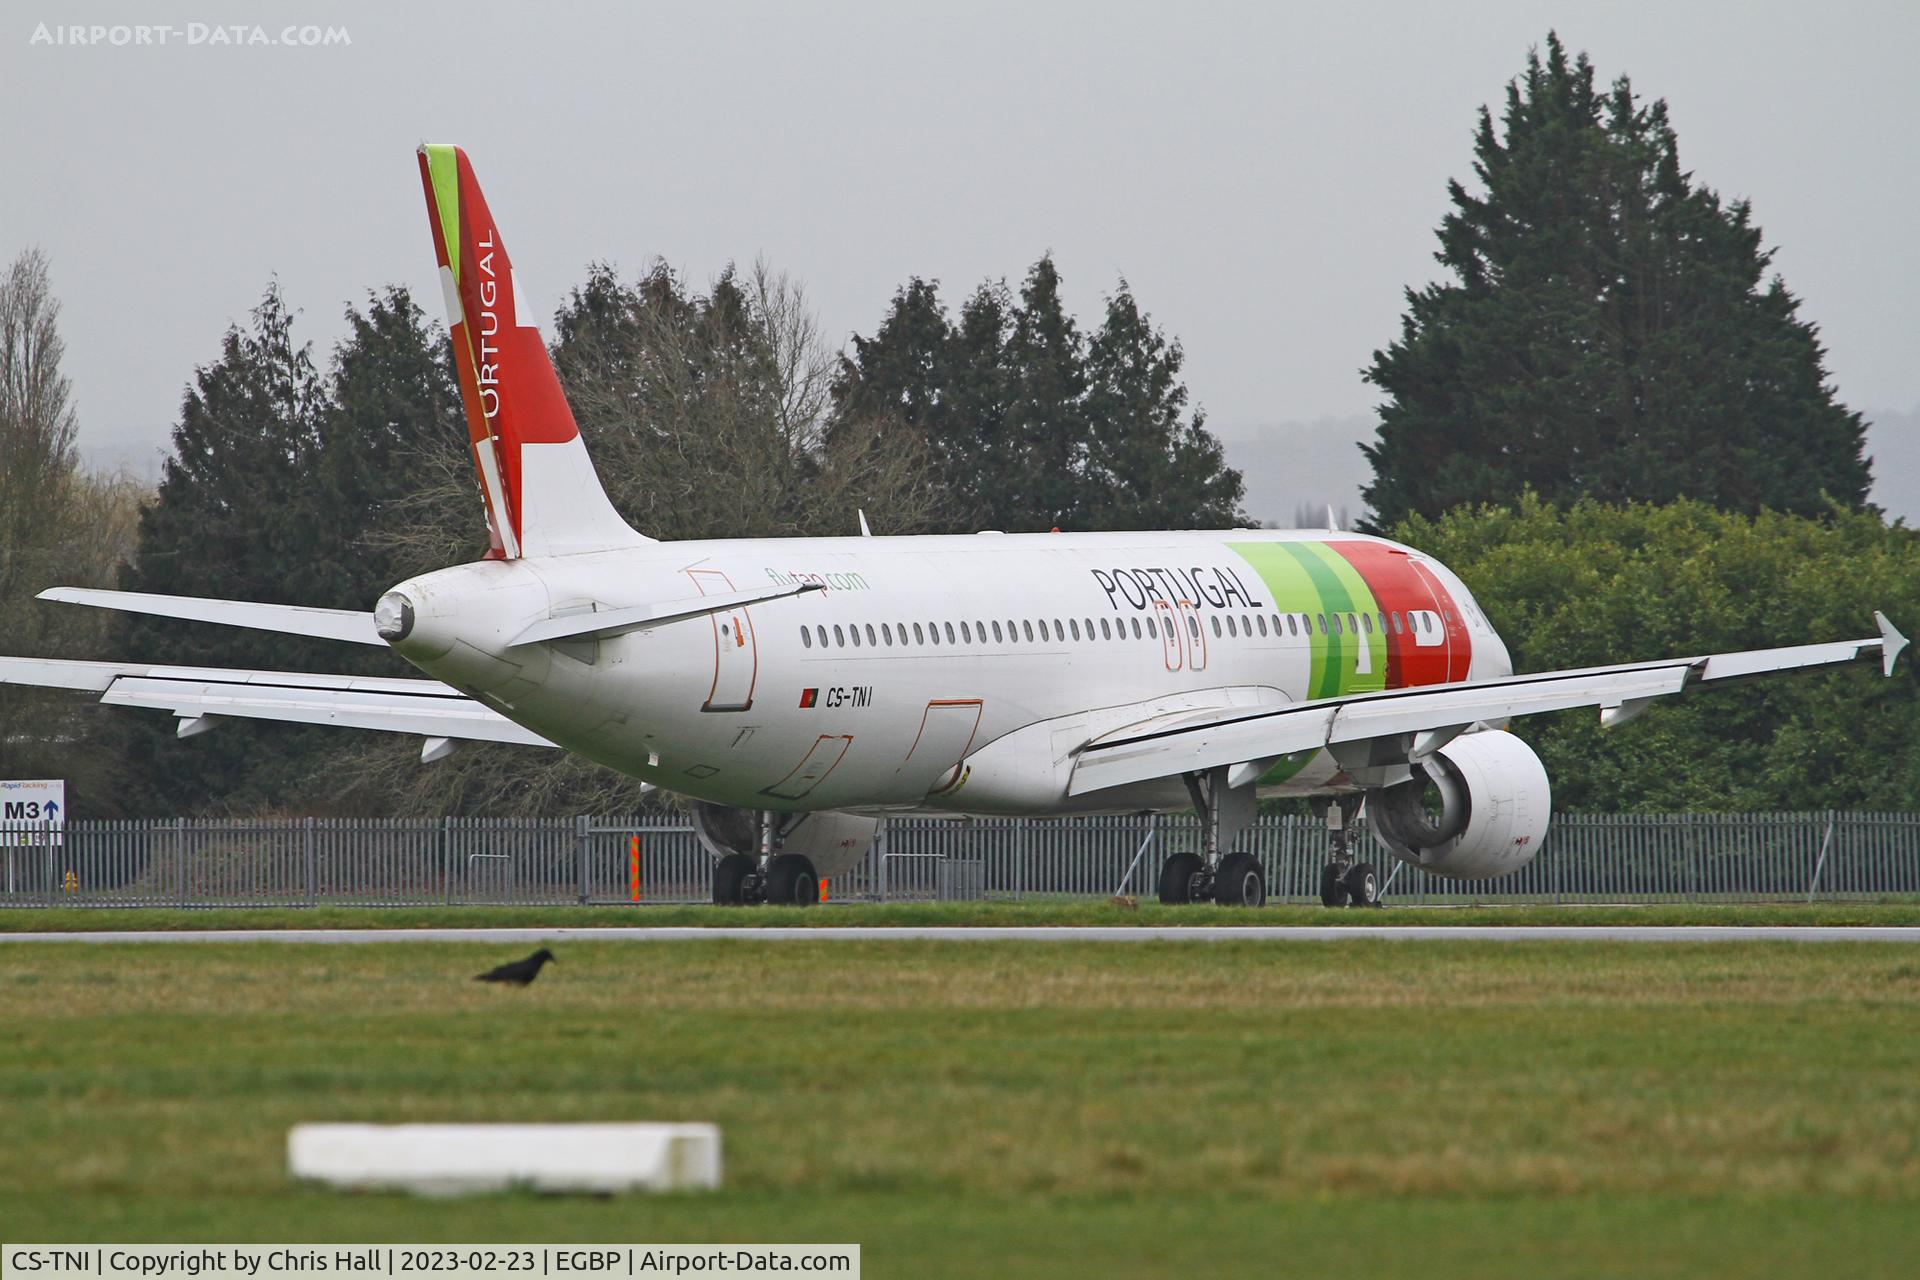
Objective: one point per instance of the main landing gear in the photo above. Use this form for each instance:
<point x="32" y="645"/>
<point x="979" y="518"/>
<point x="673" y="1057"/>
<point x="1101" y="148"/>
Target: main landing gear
<point x="783" y="879"/>
<point x="1343" y="881"/>
<point x="1233" y="880"/>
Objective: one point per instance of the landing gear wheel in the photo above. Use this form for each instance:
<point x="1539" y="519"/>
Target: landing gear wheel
<point x="1176" y="878"/>
<point x="1239" y="882"/>
<point x="730" y="879"/>
<point x="1362" y="884"/>
<point x="791" y="881"/>
<point x="1333" y="886"/>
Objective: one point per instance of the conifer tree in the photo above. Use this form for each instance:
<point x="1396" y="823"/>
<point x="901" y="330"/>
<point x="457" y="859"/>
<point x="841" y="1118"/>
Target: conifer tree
<point x="1610" y="330"/>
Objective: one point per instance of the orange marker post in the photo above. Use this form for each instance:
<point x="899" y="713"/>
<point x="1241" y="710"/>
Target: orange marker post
<point x="823" y="890"/>
<point x="633" y="866"/>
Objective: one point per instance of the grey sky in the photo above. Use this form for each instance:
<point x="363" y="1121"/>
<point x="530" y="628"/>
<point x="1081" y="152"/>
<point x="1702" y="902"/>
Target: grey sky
<point x="1267" y="178"/>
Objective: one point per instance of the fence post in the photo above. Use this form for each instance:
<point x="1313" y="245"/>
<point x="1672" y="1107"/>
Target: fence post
<point x="313" y="886"/>
<point x="46" y="838"/>
<point x="1821" y="862"/>
<point x="446" y="856"/>
<point x="180" y="857"/>
<point x="581" y="824"/>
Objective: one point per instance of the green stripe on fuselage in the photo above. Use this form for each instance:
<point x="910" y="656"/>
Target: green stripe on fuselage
<point x="1312" y="578"/>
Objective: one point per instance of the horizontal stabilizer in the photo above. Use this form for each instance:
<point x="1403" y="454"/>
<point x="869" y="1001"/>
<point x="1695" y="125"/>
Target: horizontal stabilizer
<point x="286" y="619"/>
<point x="208" y="694"/>
<point x="619" y="622"/>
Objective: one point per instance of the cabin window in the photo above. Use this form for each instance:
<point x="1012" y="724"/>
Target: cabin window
<point x="806" y="638"/>
<point x="950" y="639"/>
<point x="1261" y="618"/>
<point x="871" y="640"/>
<point x="1336" y="625"/>
<point x="822" y="633"/>
<point x="1394" y="617"/>
<point x="966" y="632"/>
<point x="1353" y="624"/>
<point x="1383" y="623"/>
<point x="1075" y="624"/>
<point x="918" y="637"/>
<point x="886" y="635"/>
<point x="1366" y="623"/>
<point x="1106" y="631"/>
<point x="839" y="639"/>
<point x="1323" y="622"/>
<point x="1027" y="626"/>
<point x="853" y="633"/>
<point x="1136" y="628"/>
<point x="1193" y="626"/>
<point x="980" y="630"/>
<point x="996" y="631"/>
<point x="1217" y="633"/>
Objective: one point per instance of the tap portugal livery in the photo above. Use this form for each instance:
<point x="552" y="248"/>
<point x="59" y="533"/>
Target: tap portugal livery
<point x="796" y="690"/>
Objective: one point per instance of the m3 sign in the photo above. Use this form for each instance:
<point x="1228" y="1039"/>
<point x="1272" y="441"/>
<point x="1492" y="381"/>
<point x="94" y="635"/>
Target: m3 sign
<point x="32" y="812"/>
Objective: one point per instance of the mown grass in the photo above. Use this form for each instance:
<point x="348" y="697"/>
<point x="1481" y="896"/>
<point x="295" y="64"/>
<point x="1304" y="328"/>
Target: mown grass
<point x="1018" y="1108"/>
<point x="1066" y="911"/>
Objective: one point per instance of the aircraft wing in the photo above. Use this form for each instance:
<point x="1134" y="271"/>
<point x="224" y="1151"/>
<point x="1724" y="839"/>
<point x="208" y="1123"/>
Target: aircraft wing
<point x="201" y="695"/>
<point x="1424" y="718"/>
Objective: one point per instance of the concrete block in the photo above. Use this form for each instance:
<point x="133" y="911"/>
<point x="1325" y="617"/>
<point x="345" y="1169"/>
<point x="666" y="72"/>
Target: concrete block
<point x="462" y="1159"/>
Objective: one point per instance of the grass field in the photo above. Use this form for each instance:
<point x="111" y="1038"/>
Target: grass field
<point x="1018" y="1108"/>
<point x="1065" y="911"/>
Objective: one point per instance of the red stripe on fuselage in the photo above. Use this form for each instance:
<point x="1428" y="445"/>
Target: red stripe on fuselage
<point x="1401" y="586"/>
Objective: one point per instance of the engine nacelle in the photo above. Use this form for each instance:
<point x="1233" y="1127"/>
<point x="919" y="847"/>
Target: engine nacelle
<point x="834" y="842"/>
<point x="1495" y="806"/>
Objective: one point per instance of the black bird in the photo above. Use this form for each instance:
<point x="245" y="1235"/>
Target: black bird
<point x="520" y="972"/>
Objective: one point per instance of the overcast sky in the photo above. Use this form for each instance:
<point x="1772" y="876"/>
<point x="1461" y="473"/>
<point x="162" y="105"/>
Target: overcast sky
<point x="1267" y="177"/>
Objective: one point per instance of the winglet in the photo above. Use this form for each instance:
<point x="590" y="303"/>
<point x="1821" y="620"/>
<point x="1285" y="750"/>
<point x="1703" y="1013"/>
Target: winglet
<point x="1891" y="643"/>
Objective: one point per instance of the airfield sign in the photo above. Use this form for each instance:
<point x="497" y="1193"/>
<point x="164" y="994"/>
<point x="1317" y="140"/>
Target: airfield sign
<point x="32" y="812"/>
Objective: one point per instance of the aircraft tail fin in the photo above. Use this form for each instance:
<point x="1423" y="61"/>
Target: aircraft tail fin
<point x="541" y="492"/>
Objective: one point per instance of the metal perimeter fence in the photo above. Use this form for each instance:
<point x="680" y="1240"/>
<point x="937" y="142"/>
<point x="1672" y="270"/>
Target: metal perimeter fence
<point x="414" y="862"/>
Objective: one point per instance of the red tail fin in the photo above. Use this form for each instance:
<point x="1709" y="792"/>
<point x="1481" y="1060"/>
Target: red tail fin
<point x="541" y="493"/>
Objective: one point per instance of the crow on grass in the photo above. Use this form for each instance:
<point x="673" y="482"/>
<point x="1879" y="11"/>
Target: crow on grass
<point x="520" y="972"/>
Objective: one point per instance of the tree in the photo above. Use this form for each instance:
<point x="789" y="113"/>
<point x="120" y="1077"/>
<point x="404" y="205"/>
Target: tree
<point x="1610" y="330"/>
<point x="59" y="526"/>
<point x="236" y="518"/>
<point x="1594" y="583"/>
<point x="1150" y="463"/>
<point x="708" y="414"/>
<point x="1032" y="424"/>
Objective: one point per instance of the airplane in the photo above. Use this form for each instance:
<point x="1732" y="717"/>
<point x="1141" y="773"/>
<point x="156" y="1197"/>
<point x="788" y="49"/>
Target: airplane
<point x="795" y="691"/>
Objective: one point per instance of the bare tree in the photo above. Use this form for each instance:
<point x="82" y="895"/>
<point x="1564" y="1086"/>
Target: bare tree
<point x="59" y="526"/>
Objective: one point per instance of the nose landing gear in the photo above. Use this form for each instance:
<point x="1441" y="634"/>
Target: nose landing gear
<point x="1343" y="881"/>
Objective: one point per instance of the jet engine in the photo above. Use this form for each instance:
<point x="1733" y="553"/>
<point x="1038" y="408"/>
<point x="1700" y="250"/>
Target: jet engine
<point x="834" y="842"/>
<point x="1494" y="804"/>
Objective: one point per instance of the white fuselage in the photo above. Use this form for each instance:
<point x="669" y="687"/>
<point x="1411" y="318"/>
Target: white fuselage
<point x="957" y="673"/>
